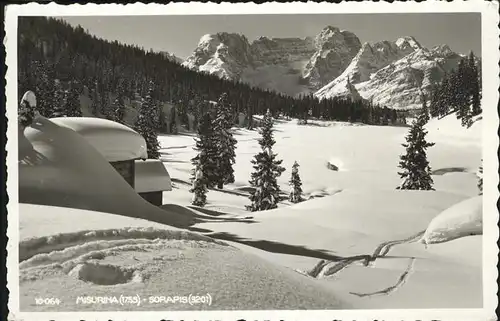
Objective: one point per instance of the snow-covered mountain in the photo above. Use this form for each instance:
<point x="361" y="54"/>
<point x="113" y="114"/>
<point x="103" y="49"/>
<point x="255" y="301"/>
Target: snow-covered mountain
<point x="394" y="74"/>
<point x="335" y="49"/>
<point x="331" y="64"/>
<point x="288" y="65"/>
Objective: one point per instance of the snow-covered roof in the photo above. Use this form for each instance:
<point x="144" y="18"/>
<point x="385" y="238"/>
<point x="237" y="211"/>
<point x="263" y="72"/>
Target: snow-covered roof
<point x="151" y="176"/>
<point x="116" y="142"/>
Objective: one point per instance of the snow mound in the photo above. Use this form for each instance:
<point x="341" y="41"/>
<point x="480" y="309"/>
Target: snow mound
<point x="116" y="142"/>
<point x="58" y="167"/>
<point x="32" y="247"/>
<point x="462" y="219"/>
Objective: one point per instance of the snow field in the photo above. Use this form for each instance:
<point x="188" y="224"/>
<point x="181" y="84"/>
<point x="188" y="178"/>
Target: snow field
<point x="364" y="229"/>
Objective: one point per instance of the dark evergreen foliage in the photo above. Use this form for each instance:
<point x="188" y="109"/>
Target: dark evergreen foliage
<point x="26" y="114"/>
<point x="416" y="172"/>
<point x="145" y="124"/>
<point x="199" y="188"/>
<point x="206" y="146"/>
<point x="459" y="92"/>
<point x="226" y="143"/>
<point x="295" y="185"/>
<point x="59" y="101"/>
<point x="72" y="105"/>
<point x="267" y="169"/>
<point x="118" y="111"/>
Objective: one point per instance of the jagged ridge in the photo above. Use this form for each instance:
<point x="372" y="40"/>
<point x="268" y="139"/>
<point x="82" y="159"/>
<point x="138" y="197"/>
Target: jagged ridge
<point x="333" y="63"/>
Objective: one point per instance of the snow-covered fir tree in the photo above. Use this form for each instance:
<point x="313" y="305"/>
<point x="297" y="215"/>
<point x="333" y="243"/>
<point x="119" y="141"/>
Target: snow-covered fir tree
<point x="295" y="185"/>
<point x="207" y="151"/>
<point x="267" y="169"/>
<point x="72" y="102"/>
<point x="199" y="188"/>
<point x="45" y="88"/>
<point x="416" y="172"/>
<point x="475" y="85"/>
<point x="145" y="123"/>
<point x="118" y="112"/>
<point x="118" y="107"/>
<point x="59" y="101"/>
<point x="26" y="111"/>
<point x="226" y="143"/>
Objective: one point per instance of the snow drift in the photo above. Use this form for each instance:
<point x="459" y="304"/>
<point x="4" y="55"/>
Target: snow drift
<point x="105" y="256"/>
<point x="462" y="219"/>
<point x="58" y="167"/>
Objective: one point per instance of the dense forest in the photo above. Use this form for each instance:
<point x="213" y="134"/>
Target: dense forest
<point x="459" y="92"/>
<point x="57" y="61"/>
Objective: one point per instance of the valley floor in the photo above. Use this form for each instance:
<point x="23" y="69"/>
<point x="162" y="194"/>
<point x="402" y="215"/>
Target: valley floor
<point x="354" y="243"/>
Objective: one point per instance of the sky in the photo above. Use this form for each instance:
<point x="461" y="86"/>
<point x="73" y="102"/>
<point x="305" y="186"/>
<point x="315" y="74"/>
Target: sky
<point x="179" y="34"/>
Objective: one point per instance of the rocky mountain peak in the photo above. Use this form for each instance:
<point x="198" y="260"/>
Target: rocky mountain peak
<point x="332" y="63"/>
<point x="408" y="42"/>
<point x="393" y="74"/>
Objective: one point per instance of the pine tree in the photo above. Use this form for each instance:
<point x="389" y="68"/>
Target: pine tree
<point x="475" y="85"/>
<point x="266" y="171"/>
<point x="207" y="151"/>
<point x="295" y="185"/>
<point x="72" y="102"/>
<point x="199" y="188"/>
<point x="45" y="88"/>
<point x="59" y="101"/>
<point x="226" y="143"/>
<point x="145" y="124"/>
<point x="461" y="93"/>
<point x="118" y="108"/>
<point x="416" y="172"/>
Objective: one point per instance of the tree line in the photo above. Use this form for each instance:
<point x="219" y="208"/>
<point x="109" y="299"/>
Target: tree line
<point x="459" y="92"/>
<point x="57" y="61"/>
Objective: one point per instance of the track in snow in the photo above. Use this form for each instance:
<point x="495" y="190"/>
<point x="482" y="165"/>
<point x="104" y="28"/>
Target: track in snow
<point x="329" y="268"/>
<point x="402" y="279"/>
<point x="107" y="257"/>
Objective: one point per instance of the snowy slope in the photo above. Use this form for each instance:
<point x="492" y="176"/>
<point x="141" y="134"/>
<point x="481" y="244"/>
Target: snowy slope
<point x="449" y="130"/>
<point x="352" y="217"/>
<point x="109" y="255"/>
